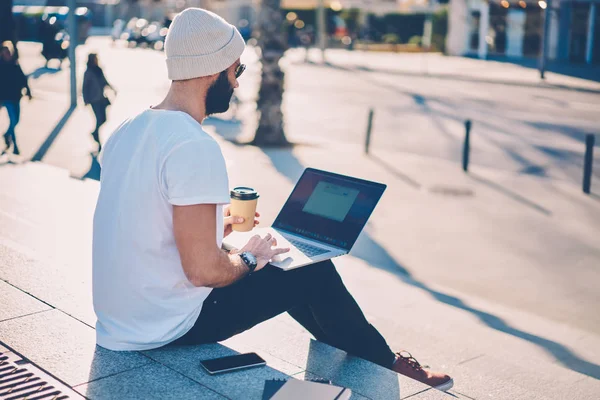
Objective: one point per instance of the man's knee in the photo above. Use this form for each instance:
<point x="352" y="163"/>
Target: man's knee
<point x="323" y="271"/>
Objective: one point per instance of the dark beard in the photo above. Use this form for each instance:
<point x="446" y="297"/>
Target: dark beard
<point x="219" y="95"/>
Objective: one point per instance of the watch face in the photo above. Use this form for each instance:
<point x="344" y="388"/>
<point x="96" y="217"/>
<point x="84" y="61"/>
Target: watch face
<point x="249" y="259"/>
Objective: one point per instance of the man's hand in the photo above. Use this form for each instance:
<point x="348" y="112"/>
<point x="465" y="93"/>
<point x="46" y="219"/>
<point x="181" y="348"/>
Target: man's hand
<point x="229" y="220"/>
<point x="264" y="249"/>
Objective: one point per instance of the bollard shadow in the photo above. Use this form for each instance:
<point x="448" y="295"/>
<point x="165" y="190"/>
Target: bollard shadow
<point x="429" y="106"/>
<point x="392" y="170"/>
<point x="571" y="132"/>
<point x="510" y="194"/>
<point x="53" y="134"/>
<point x="368" y="249"/>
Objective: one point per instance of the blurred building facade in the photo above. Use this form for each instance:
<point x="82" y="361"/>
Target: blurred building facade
<point x="514" y="28"/>
<point x="482" y="28"/>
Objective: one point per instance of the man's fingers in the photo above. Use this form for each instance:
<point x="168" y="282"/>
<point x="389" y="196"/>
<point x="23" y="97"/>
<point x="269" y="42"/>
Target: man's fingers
<point x="280" y="251"/>
<point x="232" y="220"/>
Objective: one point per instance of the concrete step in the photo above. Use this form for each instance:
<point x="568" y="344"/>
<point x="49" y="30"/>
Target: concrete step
<point x="45" y="284"/>
<point x="490" y="350"/>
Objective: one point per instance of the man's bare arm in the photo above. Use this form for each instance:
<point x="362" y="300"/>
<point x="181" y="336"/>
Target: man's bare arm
<point x="203" y="262"/>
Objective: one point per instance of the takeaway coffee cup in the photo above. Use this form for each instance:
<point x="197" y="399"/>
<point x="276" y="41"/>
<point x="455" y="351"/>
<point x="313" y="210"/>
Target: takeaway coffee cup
<point x="243" y="204"/>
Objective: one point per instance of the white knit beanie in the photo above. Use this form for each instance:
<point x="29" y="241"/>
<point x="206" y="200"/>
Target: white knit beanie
<point x="201" y="43"/>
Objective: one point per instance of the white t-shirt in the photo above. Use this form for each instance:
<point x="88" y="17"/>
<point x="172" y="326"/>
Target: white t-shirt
<point x="152" y="162"/>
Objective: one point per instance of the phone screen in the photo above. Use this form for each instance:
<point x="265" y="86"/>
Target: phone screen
<point x="223" y="364"/>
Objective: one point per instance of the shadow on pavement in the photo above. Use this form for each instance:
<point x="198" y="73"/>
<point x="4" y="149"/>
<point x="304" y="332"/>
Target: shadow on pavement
<point x="456" y="77"/>
<point x="566" y="130"/>
<point x="581" y="71"/>
<point x="43" y="71"/>
<point x="55" y="132"/>
<point x="403" y="177"/>
<point x="510" y="194"/>
<point x="94" y="171"/>
<point x="369" y="250"/>
<point x="369" y="382"/>
<point x="484" y="129"/>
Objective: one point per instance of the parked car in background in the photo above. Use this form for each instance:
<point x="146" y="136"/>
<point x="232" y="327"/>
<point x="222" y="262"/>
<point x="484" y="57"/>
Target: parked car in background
<point x="143" y="33"/>
<point x="30" y="21"/>
<point x="55" y="39"/>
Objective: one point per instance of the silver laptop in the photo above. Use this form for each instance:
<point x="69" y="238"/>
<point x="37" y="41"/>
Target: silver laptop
<point x="320" y="220"/>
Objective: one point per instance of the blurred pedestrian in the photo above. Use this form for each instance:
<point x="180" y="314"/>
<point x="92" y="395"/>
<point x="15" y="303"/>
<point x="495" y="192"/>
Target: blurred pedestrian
<point x="94" y="83"/>
<point x="12" y="83"/>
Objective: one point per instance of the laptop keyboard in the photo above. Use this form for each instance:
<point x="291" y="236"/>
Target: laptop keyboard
<point x="307" y="249"/>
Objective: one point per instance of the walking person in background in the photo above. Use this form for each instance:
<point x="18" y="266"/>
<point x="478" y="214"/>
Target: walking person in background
<point x="12" y="83"/>
<point x="94" y="83"/>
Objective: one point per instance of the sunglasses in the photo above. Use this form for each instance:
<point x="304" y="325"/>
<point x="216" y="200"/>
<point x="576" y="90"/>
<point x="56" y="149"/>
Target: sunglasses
<point x="239" y="70"/>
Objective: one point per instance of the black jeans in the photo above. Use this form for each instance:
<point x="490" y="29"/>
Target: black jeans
<point x="14" y="114"/>
<point x="99" y="109"/>
<point x="314" y="295"/>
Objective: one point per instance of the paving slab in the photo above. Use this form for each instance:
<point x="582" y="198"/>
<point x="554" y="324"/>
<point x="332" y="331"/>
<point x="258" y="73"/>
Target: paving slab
<point x="244" y="384"/>
<point x="152" y="381"/>
<point x="63" y="286"/>
<point x="295" y="345"/>
<point x="430" y="394"/>
<point x="16" y="303"/>
<point x="550" y="380"/>
<point x="65" y="347"/>
<point x="458" y="395"/>
<point x="305" y="376"/>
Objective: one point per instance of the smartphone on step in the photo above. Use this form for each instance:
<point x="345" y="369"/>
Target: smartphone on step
<point x="232" y="363"/>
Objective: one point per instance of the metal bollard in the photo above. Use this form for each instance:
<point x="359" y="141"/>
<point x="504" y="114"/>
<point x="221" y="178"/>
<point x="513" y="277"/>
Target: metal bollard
<point x="369" y="127"/>
<point x="587" y="162"/>
<point x="467" y="146"/>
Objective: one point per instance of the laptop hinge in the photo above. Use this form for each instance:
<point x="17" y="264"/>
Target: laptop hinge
<point x="346" y="251"/>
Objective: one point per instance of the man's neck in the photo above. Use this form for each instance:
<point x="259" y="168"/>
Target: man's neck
<point x="185" y="100"/>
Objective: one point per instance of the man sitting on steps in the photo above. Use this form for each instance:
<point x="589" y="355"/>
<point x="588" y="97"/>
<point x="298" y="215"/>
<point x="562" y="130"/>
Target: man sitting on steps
<point x="159" y="274"/>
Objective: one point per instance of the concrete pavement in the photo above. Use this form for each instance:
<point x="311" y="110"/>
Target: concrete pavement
<point x="490" y="276"/>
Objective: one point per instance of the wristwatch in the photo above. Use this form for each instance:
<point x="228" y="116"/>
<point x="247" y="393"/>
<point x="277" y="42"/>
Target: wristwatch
<point x="249" y="259"/>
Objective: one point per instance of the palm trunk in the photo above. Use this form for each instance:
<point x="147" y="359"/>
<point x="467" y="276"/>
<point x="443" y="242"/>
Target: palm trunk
<point x="273" y="43"/>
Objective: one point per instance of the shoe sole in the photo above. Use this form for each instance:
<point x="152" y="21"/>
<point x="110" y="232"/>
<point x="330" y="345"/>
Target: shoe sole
<point x="444" y="387"/>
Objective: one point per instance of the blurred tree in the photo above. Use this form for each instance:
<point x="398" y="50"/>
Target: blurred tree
<point x="272" y="40"/>
<point x="440" y="29"/>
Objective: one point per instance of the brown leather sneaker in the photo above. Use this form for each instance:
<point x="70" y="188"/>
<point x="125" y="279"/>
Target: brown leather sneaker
<point x="407" y="365"/>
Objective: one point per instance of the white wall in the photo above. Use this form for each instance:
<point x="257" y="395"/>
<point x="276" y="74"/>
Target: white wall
<point x="457" y="40"/>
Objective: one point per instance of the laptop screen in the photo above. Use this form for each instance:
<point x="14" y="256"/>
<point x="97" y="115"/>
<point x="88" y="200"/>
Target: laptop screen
<point x="329" y="208"/>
